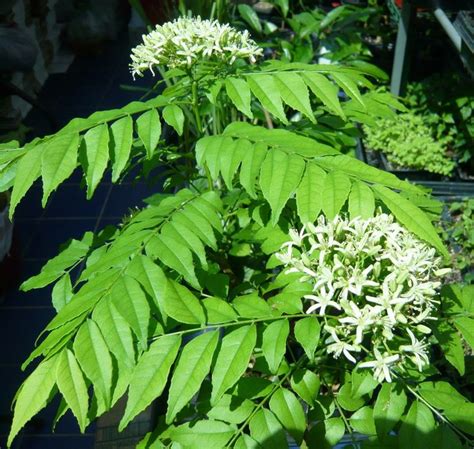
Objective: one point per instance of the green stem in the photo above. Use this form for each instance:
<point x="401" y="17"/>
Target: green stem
<point x="231" y="324"/>
<point x="195" y="97"/>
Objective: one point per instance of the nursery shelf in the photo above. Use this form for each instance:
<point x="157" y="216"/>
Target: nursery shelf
<point x="460" y="35"/>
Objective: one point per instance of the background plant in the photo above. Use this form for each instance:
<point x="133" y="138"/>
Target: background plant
<point x="186" y="292"/>
<point x="407" y="142"/>
<point x="457" y="231"/>
<point x="446" y="101"/>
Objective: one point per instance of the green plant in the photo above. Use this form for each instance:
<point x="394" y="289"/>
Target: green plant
<point x="188" y="300"/>
<point x="311" y="32"/>
<point x="458" y="232"/>
<point x="407" y="142"/>
<point x="446" y="100"/>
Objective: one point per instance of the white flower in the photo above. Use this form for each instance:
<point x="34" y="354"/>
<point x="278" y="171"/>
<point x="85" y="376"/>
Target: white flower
<point x="417" y="350"/>
<point x="185" y="41"/>
<point x="323" y="300"/>
<point x="381" y="365"/>
<point x="375" y="284"/>
<point x="360" y="318"/>
<point x="341" y="347"/>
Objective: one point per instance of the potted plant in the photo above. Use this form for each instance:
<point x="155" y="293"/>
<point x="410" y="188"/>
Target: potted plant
<point x="279" y="290"/>
<point x="407" y="148"/>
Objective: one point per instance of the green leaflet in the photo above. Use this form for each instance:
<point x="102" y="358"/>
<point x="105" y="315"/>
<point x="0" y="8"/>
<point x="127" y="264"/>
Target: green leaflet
<point x="239" y="93"/>
<point x="173" y="115"/>
<point x="62" y="292"/>
<point x="207" y="434"/>
<point x="29" y="169"/>
<point x="274" y="343"/>
<point x="285" y="140"/>
<point x="55" y="340"/>
<point x="410" y="216"/>
<point x="152" y="280"/>
<point x="182" y="305"/>
<point x="180" y="233"/>
<point x="359" y="170"/>
<point x="72" y="386"/>
<point x="232" y="360"/>
<point x="280" y="175"/>
<point x="389" y="408"/>
<point x="149" y="130"/>
<point x="362" y="383"/>
<point x="250" y="16"/>
<point x="94" y="358"/>
<point x="326" y="434"/>
<point x="349" y="87"/>
<point x="417" y="429"/>
<point x="307" y="331"/>
<point x="309" y="195"/>
<point x="250" y="167"/>
<point x="266" y="90"/>
<point x="445" y="438"/>
<point x="174" y="254"/>
<point x="289" y="412"/>
<point x="362" y="421"/>
<point x="451" y="344"/>
<point x="85" y="300"/>
<point x="267" y="431"/>
<point x="209" y="151"/>
<point x="232" y="158"/>
<point x="96" y="141"/>
<point x="361" y="201"/>
<point x="465" y="325"/>
<point x="199" y="224"/>
<point x="129" y="299"/>
<point x="231" y="409"/>
<point x="218" y="311"/>
<point x="336" y="189"/>
<point x="118" y="333"/>
<point x="346" y="400"/>
<point x="193" y="366"/>
<point x="294" y="93"/>
<point x="150" y="376"/>
<point x="246" y="442"/>
<point x="58" y="161"/>
<point x="122" y="138"/>
<point x="252" y="306"/>
<point x="34" y="394"/>
<point x="326" y="91"/>
<point x="306" y="384"/>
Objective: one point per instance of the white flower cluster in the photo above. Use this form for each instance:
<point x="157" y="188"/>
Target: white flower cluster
<point x="185" y="41"/>
<point x="374" y="284"/>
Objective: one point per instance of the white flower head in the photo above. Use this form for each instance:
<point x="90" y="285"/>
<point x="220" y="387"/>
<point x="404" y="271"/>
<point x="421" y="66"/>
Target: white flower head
<point x="186" y="41"/>
<point x="374" y="284"/>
